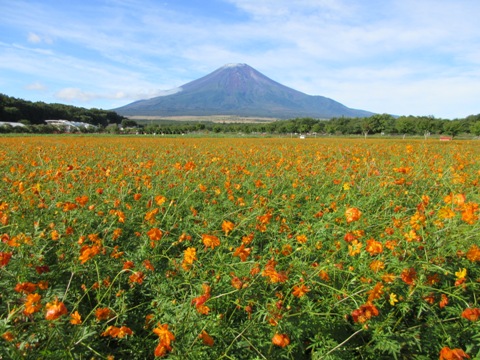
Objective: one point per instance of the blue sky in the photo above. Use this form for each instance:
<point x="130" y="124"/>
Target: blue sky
<point x="418" y="57"/>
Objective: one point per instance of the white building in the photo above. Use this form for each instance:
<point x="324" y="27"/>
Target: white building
<point x="12" y="124"/>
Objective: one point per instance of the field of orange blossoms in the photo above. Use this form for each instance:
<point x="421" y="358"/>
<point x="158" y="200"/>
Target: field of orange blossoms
<point x="143" y="247"/>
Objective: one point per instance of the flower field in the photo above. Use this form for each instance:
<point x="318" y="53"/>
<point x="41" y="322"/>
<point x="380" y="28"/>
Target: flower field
<point x="183" y="248"/>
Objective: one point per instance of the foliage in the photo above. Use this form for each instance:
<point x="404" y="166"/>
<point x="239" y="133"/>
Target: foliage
<point x="35" y="113"/>
<point x="238" y="249"/>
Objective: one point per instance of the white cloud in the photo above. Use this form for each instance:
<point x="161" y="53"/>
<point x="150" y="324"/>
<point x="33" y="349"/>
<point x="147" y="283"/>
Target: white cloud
<point x="34" y="38"/>
<point x="36" y="86"/>
<point x="37" y="39"/>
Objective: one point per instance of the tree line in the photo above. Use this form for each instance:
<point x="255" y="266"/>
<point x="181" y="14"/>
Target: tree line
<point x="376" y="124"/>
<point x="34" y="114"/>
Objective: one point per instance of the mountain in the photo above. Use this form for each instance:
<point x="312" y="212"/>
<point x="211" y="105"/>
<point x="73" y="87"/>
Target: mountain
<point x="239" y="89"/>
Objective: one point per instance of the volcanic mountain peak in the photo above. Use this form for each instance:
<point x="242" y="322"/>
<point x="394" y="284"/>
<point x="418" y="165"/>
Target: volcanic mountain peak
<point x="238" y="89"/>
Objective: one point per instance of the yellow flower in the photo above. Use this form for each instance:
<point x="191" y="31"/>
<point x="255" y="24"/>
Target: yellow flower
<point x="393" y="299"/>
<point x="346" y="186"/>
<point x="461" y="274"/>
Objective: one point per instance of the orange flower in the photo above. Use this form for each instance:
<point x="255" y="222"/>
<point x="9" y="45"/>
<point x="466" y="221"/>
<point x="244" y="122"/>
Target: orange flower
<point x="300" y="290"/>
<point x="227" y="226"/>
<point x="117" y="332"/>
<point x="155" y="234"/>
<point x="388" y="278"/>
<point x="468" y="213"/>
<point x="159" y="199"/>
<point x="354" y="248"/>
<point x="88" y="252"/>
<point x="302" y="239"/>
<point x="472" y="314"/>
<point x="452" y="354"/>
<point x="352" y="214"/>
<point x="55" y="310"/>
<point x="210" y="241"/>
<point x="189" y="256"/>
<point x="165" y="338"/>
<point x="473" y="254"/>
<point x="274" y="275"/>
<point x="324" y="275"/>
<point x="81" y="200"/>
<point x="236" y="282"/>
<point x="207" y="339"/>
<point x="32" y="304"/>
<point x="281" y="340"/>
<point x="103" y="314"/>
<point x="374" y="247"/>
<point x="75" y="318"/>
<point x="242" y="252"/>
<point x="375" y="293"/>
<point x="150" y="215"/>
<point x="377" y="265"/>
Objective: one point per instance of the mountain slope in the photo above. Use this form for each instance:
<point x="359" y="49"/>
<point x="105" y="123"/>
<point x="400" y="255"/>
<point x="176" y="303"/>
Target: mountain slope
<point x="238" y="89"/>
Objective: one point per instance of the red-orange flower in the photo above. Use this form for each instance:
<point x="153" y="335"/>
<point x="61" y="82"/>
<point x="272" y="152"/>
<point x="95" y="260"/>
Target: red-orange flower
<point x="117" y="332"/>
<point x="5" y="258"/>
<point x="409" y="275"/>
<point x="452" y="354"/>
<point x="210" y="241"/>
<point x="443" y="301"/>
<point x="364" y="313"/>
<point x="55" y="310"/>
<point x="281" y="340"/>
<point x="200" y="301"/>
<point x="137" y="277"/>
<point x="26" y="287"/>
<point x="8" y="336"/>
<point x="472" y="314"/>
<point x="103" y="313"/>
<point x="206" y="339"/>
